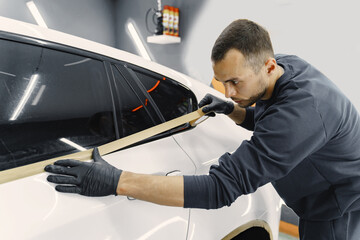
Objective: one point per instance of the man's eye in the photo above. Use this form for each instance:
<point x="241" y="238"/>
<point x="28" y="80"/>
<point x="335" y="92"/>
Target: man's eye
<point x="233" y="82"/>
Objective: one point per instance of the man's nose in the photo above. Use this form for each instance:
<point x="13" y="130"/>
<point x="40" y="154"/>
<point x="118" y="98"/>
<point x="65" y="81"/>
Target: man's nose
<point x="229" y="91"/>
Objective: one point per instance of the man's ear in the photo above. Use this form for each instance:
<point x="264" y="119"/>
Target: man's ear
<point x="270" y="65"/>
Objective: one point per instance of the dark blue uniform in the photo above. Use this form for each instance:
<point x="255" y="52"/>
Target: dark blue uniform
<point x="306" y="142"/>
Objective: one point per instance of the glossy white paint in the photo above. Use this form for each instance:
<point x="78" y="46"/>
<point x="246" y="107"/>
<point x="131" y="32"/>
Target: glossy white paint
<point x="212" y="224"/>
<point x="30" y="208"/>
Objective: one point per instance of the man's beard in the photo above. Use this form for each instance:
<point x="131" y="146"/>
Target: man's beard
<point x="251" y="100"/>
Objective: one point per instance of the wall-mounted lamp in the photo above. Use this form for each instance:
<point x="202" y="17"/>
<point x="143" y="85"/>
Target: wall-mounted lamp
<point x="136" y="38"/>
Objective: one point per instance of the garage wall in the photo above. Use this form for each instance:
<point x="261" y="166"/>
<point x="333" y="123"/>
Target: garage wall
<point x="324" y="32"/>
<point x="90" y="19"/>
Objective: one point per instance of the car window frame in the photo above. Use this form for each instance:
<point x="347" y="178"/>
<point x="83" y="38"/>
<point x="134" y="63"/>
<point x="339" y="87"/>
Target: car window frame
<point x="115" y="63"/>
<point x="136" y="83"/>
<point x="107" y="63"/>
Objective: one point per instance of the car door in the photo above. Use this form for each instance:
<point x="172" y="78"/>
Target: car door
<point x="55" y="102"/>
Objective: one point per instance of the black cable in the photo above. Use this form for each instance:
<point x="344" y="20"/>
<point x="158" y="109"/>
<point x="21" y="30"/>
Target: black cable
<point x="157" y="20"/>
<point x="146" y="19"/>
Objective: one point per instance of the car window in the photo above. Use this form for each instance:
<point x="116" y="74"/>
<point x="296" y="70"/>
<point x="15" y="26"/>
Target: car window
<point x="51" y="103"/>
<point x="132" y="114"/>
<point x="172" y="98"/>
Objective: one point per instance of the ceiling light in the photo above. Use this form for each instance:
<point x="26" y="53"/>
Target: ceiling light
<point x="36" y="14"/>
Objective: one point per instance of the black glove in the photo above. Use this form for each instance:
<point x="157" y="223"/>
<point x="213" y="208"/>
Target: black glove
<point x="96" y="178"/>
<point x="216" y="105"/>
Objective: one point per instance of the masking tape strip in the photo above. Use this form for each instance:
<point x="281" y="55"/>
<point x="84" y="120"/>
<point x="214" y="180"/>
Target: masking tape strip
<point x="36" y="168"/>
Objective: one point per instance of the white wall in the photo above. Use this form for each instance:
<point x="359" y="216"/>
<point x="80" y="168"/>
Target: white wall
<point x="326" y="33"/>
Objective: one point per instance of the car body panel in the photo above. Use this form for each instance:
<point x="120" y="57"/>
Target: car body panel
<point x="212" y="224"/>
<point x="44" y="213"/>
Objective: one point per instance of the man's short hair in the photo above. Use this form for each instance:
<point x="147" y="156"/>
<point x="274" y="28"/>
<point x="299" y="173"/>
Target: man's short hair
<point x="251" y="39"/>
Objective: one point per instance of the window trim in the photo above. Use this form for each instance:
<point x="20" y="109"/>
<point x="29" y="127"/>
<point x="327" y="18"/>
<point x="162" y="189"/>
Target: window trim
<point x="152" y="73"/>
<point x="193" y="98"/>
<point x="117" y="64"/>
<point x="133" y="90"/>
<point x="146" y="94"/>
<point x="108" y="71"/>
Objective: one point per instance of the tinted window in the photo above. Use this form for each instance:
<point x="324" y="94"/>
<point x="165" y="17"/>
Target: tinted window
<point x="50" y="101"/>
<point x="172" y="99"/>
<point x="132" y="113"/>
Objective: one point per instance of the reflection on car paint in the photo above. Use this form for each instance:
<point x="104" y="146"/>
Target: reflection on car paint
<point x="29" y="89"/>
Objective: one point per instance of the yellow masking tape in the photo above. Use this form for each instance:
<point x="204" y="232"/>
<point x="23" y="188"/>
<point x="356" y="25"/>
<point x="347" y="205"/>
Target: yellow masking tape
<point x="36" y="168"/>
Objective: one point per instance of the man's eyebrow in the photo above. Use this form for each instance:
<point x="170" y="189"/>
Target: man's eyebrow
<point x="232" y="79"/>
<point x="229" y="80"/>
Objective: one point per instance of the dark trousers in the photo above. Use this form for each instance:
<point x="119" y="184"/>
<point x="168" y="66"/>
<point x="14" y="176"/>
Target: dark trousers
<point x="345" y="228"/>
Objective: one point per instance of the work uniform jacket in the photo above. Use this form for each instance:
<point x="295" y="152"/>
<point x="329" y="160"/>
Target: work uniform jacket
<point x="306" y="142"/>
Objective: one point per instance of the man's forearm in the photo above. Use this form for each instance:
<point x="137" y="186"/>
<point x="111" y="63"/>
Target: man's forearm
<point x="238" y="114"/>
<point x="157" y="189"/>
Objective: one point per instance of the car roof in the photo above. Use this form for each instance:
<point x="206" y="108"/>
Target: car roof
<point x="41" y="33"/>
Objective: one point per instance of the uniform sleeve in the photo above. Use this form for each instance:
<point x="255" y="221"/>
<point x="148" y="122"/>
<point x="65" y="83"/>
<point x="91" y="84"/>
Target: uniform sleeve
<point x="285" y="135"/>
<point x="248" y="123"/>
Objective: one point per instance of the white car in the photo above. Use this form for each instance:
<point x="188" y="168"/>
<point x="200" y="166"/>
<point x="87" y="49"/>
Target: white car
<point x="61" y="94"/>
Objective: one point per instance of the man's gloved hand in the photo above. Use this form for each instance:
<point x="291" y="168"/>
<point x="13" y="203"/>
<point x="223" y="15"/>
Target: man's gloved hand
<point x="97" y="178"/>
<point x="216" y="105"/>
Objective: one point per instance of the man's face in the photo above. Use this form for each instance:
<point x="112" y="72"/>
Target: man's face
<point x="242" y="84"/>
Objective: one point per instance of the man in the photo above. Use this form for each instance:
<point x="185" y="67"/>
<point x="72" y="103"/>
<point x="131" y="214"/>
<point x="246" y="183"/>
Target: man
<point x="306" y="142"/>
